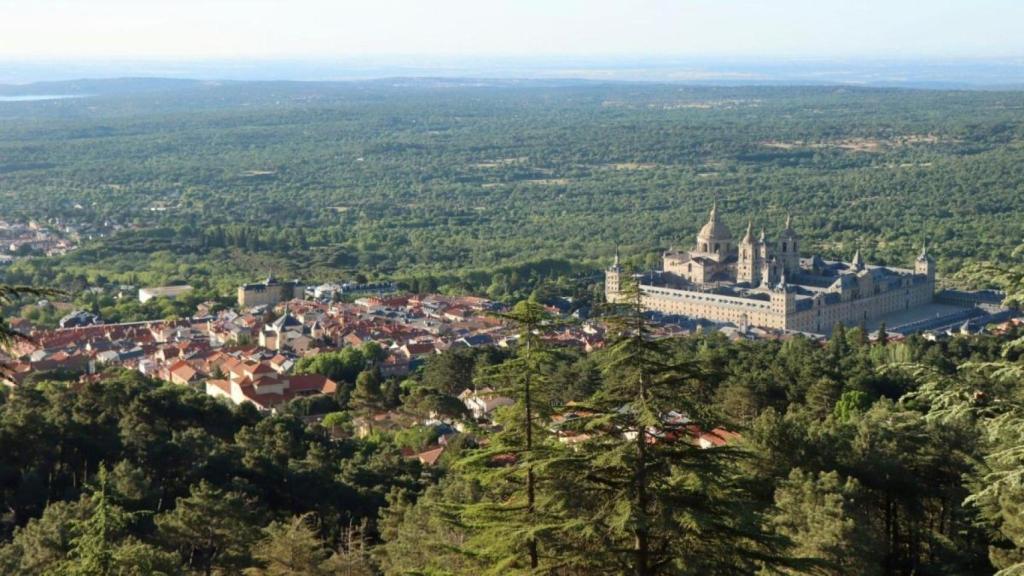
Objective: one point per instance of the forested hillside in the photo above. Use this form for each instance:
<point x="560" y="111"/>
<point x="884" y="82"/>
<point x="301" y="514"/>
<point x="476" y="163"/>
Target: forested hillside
<point x="456" y="179"/>
<point x="894" y="458"/>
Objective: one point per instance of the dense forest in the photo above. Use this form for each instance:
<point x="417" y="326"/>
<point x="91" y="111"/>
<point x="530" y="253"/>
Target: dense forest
<point x="854" y="457"/>
<point x="490" y="186"/>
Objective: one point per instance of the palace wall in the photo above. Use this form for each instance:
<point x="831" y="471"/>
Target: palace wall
<point x="821" y="317"/>
<point x="717" y="307"/>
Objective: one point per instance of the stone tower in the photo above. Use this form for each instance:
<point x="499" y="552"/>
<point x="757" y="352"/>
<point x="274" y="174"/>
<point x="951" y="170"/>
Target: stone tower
<point x="747" y="269"/>
<point x="789" y="248"/>
<point x="783" y="299"/>
<point x="769" y="266"/>
<point x="925" y="264"/>
<point x="612" y="280"/>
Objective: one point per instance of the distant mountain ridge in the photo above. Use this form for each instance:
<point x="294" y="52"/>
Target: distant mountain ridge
<point x="157" y="75"/>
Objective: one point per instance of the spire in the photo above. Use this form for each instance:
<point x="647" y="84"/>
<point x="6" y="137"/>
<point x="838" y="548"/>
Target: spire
<point x="782" y="286"/>
<point x="788" y="231"/>
<point x="924" y="252"/>
<point x="858" y="261"/>
<point x="748" y="238"/>
<point x="616" y="264"/>
<point x="713" y="216"/>
<point x="761" y="237"/>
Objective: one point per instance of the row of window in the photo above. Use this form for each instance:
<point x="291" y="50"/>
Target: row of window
<point x="707" y="298"/>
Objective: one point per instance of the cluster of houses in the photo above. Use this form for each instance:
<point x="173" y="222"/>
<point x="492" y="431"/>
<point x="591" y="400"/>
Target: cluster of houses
<point x="564" y="425"/>
<point x="34" y="238"/>
<point x="247" y="355"/>
<point x="334" y="290"/>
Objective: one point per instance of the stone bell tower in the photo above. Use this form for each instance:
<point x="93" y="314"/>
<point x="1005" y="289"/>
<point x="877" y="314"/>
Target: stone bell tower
<point x="925" y="264"/>
<point x="747" y="268"/>
<point x="612" y="280"/>
<point x="789" y="248"/>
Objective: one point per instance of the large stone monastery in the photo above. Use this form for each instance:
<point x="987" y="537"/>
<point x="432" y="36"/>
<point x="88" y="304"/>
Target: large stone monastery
<point x="761" y="282"/>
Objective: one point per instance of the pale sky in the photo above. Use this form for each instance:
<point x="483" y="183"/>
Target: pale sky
<point x="82" y="29"/>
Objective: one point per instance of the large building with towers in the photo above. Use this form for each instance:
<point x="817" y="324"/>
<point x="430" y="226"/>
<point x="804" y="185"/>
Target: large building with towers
<point x="270" y="292"/>
<point x="758" y="281"/>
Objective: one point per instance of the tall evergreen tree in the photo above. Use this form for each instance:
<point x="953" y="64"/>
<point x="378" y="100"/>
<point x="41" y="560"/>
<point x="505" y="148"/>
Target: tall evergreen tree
<point x="93" y="547"/>
<point x="821" y="515"/>
<point x="652" y="501"/>
<point x="989" y="397"/>
<point x="367" y="398"/>
<point x="103" y="546"/>
<point x="211" y="529"/>
<point x="883" y="336"/>
<point x="512" y="528"/>
<point x="289" y="548"/>
<point x="294" y="548"/>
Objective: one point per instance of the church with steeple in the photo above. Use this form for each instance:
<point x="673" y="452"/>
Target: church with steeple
<point x="766" y="282"/>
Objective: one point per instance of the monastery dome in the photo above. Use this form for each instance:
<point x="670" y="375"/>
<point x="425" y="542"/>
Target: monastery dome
<point x="715" y="229"/>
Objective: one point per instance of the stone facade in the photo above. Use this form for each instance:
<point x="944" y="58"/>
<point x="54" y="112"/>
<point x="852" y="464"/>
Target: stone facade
<point x="267" y="293"/>
<point x="766" y="283"/>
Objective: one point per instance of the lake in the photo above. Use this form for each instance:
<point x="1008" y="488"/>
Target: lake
<point x="37" y="97"/>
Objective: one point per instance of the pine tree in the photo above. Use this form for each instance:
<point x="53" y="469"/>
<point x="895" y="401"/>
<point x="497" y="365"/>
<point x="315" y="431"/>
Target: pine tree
<point x="103" y="547"/>
<point x="820" y="514"/>
<point x="93" y="548"/>
<point x="838" y="347"/>
<point x="288" y="548"/>
<point x="211" y="529"/>
<point x="367" y="398"/>
<point x="649" y="500"/>
<point x="998" y="491"/>
<point x="44" y="542"/>
<point x="511" y="526"/>
<point x="985" y="397"/>
<point x="423" y="535"/>
<point x="823" y="395"/>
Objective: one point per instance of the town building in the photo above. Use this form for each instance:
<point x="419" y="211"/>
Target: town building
<point x="480" y="403"/>
<point x="261" y="385"/>
<point x="270" y="292"/>
<point x="79" y="318"/>
<point x="172" y="292"/>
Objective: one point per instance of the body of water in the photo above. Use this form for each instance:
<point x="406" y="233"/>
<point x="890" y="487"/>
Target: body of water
<point x="37" y="97"/>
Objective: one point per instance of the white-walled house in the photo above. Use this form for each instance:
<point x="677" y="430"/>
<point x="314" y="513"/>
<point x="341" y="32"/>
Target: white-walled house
<point x="482" y="402"/>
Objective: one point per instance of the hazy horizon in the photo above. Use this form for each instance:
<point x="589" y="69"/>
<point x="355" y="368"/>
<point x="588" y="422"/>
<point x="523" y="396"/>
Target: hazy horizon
<point x="933" y="72"/>
<point x="322" y="29"/>
<point x="867" y="42"/>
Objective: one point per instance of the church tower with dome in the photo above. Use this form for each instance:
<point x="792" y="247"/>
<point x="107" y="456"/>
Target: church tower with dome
<point x="766" y="283"/>
<point x="718" y="258"/>
<point x="711" y="259"/>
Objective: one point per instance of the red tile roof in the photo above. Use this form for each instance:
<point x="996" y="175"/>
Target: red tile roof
<point x="431" y="456"/>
